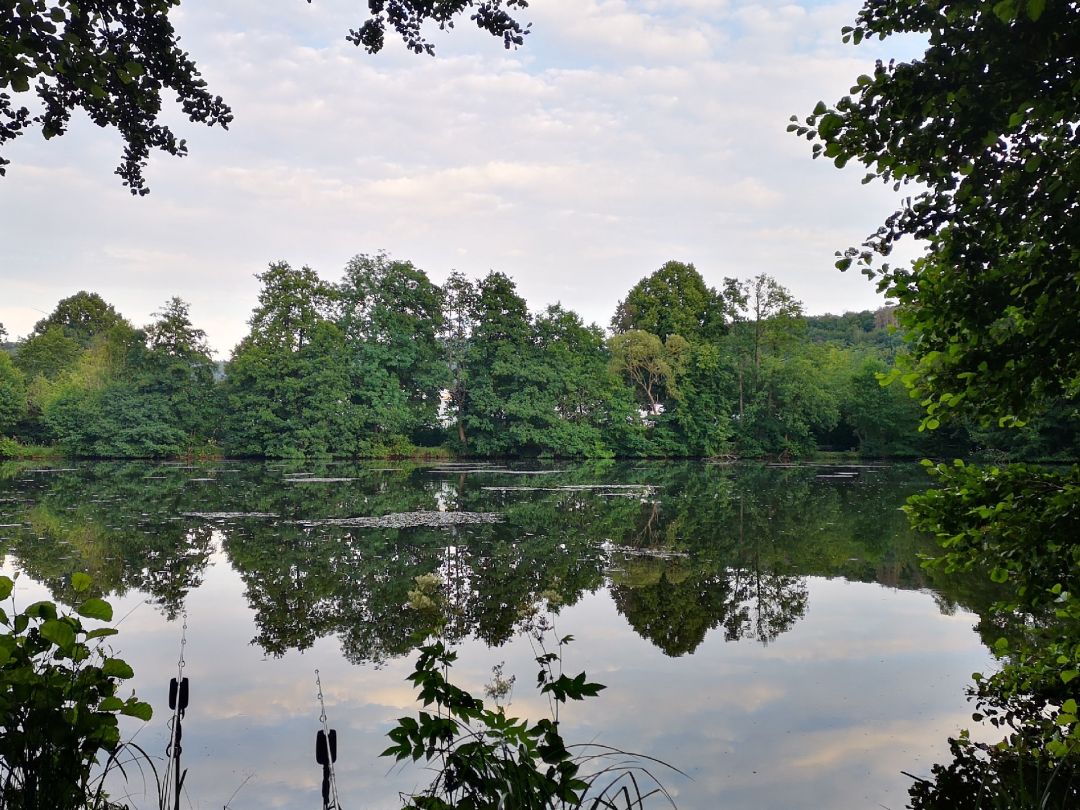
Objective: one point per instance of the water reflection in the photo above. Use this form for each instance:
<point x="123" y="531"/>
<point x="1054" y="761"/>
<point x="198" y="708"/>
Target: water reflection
<point x="734" y="586"/>
<point x="685" y="548"/>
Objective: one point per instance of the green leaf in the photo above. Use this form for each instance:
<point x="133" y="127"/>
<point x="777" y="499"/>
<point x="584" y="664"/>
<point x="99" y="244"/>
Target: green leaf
<point x="999" y="575"/>
<point x="136" y="708"/>
<point x="111" y="704"/>
<point x="1069" y="706"/>
<point x="102" y="632"/>
<point x="117" y="668"/>
<point x="41" y="610"/>
<point x="59" y="632"/>
<point x="1005" y="10"/>
<point x="1035" y="9"/>
<point x="830" y="125"/>
<point x="20" y="84"/>
<point x="80" y="581"/>
<point x="6" y="586"/>
<point x="96" y="609"/>
<point x="1068" y="675"/>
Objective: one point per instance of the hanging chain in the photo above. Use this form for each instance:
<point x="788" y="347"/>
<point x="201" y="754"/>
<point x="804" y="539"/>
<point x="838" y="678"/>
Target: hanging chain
<point x="322" y="705"/>
<point x="183" y="643"/>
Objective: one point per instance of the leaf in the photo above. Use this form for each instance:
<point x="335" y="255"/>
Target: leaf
<point x="6" y="586"/>
<point x="830" y="125"/>
<point x="102" y="632"/>
<point x="1068" y="675"/>
<point x="117" y="668"/>
<point x="1035" y="9"/>
<point x="80" y="581"/>
<point x="96" y="609"/>
<point x="59" y="632"/>
<point x="41" y="610"/>
<point x="20" y="84"/>
<point x="1005" y="10"/>
<point x="136" y="708"/>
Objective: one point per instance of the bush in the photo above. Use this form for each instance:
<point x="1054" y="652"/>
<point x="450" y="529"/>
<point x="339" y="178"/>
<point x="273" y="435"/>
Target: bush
<point x="58" y="704"/>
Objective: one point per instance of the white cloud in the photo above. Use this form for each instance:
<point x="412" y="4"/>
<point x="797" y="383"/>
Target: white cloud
<point x="625" y="133"/>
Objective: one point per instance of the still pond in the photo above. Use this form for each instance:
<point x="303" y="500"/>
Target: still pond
<point x="766" y="629"/>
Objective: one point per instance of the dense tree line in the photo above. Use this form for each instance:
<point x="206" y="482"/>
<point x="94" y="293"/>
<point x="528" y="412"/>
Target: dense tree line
<point x="385" y="362"/>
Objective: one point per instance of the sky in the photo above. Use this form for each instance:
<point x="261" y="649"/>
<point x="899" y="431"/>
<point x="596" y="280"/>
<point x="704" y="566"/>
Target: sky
<point x="623" y="134"/>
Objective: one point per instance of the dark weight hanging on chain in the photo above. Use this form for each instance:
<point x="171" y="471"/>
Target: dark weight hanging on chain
<point x="178" y="694"/>
<point x="326" y="748"/>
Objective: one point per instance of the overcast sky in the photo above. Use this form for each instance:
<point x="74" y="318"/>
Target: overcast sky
<point x="623" y="134"/>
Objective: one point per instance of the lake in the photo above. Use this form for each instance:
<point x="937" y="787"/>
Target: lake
<point x="767" y="629"/>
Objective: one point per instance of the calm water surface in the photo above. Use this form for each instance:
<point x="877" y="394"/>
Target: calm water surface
<point x="767" y="629"/>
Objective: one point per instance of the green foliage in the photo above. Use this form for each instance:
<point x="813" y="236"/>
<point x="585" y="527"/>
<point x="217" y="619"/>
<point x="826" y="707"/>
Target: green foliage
<point x="391" y="315"/>
<point x="650" y="365"/>
<point x="80" y="317"/>
<point x="485" y="759"/>
<point x="58" y="703"/>
<point x="990" y="308"/>
<point x="989" y="311"/>
<point x="409" y="17"/>
<point x="672" y="301"/>
<point x="385" y="363"/>
<point x="178" y="370"/>
<point x="113" y="61"/>
<point x="12" y="394"/>
<point x="48" y="353"/>
<point x="288" y="384"/>
<point x="884" y="418"/>
<point x="1018" y="524"/>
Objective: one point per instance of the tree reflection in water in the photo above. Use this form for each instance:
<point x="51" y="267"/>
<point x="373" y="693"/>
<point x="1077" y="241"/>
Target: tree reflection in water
<point x="685" y="548"/>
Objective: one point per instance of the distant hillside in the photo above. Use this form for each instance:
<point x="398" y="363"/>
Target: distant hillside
<point x="867" y="329"/>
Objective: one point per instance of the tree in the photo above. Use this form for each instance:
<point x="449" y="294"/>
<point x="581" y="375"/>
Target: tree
<point x="12" y="394"/>
<point x="178" y="366"/>
<point x="110" y="59"/>
<point x="391" y="314"/>
<point x="650" y="365"/>
<point x="985" y="123"/>
<point x="673" y="300"/>
<point x="765" y="317"/>
<point x="459" y="321"/>
<point x="115" y="59"/>
<point x="80" y="317"/>
<point x="288" y="383"/>
<point x="586" y="407"/>
<point x="291" y="303"/>
<point x="47" y="354"/>
<point x="408" y="17"/>
<point x="498" y="363"/>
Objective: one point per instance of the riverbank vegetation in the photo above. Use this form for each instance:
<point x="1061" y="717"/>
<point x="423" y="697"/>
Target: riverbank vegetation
<point x="386" y="363"/>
